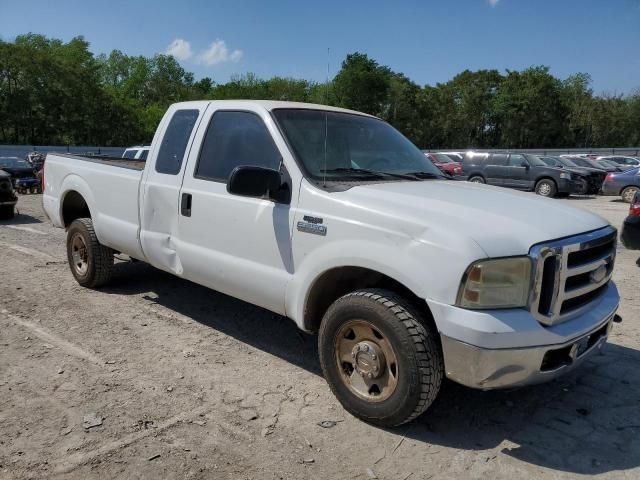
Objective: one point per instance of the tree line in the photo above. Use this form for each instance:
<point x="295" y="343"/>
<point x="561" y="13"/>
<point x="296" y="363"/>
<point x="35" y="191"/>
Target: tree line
<point x="57" y="93"/>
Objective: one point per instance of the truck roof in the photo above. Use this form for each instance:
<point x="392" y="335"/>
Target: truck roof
<point x="269" y="105"/>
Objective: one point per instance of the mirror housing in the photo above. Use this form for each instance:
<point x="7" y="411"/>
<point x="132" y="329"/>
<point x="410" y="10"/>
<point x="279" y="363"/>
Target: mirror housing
<point x="258" y="182"/>
<point x="525" y="165"/>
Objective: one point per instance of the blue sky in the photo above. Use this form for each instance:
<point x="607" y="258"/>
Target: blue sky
<point x="429" y="41"/>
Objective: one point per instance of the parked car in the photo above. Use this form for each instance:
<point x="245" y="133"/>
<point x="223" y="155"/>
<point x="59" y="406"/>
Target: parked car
<point x="334" y="219"/>
<point x="607" y="163"/>
<point x="444" y="163"/>
<point x="630" y="234"/>
<point x="591" y="163"/>
<point x="626" y="184"/>
<point x="8" y="198"/>
<point x="522" y="171"/>
<point x="589" y="181"/>
<point x="455" y="156"/>
<point x="136" y="153"/>
<point x="621" y="160"/>
<point x="22" y="174"/>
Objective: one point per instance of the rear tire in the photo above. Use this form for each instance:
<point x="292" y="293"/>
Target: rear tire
<point x="7" y="212"/>
<point x="628" y="193"/>
<point x="91" y="262"/>
<point x="477" y="179"/>
<point x="546" y="188"/>
<point x="376" y="332"/>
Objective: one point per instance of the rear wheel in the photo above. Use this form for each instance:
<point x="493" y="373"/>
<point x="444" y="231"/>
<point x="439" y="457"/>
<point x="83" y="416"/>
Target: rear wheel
<point x="546" y="188"/>
<point x="7" y="212"/>
<point x="477" y="179"/>
<point x="380" y="358"/>
<point x="628" y="193"/>
<point x="90" y="261"/>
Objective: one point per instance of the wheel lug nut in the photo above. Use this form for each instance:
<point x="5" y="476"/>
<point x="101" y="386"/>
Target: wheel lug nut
<point x="366" y="348"/>
<point x="370" y="375"/>
<point x="373" y="356"/>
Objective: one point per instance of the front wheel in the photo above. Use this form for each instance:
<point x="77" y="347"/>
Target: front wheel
<point x="90" y="261"/>
<point x="477" y="179"/>
<point x="546" y="188"/>
<point x="628" y="194"/>
<point x="381" y="359"/>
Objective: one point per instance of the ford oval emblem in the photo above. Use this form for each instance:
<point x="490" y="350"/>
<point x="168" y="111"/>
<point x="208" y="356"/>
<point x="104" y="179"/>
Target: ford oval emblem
<point x="598" y="274"/>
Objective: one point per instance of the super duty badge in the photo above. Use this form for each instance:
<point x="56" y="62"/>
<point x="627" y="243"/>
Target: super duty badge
<point x="312" y="225"/>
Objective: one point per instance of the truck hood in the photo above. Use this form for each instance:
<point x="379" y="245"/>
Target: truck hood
<point x="501" y="221"/>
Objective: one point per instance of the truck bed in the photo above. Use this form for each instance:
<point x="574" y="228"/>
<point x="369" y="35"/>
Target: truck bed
<point x="106" y="160"/>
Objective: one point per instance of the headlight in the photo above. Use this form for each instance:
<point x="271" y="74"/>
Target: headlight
<point x="499" y="283"/>
<point x="566" y="176"/>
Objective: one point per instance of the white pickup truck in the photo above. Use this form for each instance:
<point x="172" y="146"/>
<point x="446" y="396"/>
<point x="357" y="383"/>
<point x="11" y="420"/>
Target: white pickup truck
<point x="335" y="220"/>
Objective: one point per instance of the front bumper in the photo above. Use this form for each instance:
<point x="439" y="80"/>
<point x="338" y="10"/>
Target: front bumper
<point x="567" y="186"/>
<point x="488" y="369"/>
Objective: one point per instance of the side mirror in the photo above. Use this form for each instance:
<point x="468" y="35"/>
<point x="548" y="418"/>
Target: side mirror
<point x="250" y="181"/>
<point x="525" y="165"/>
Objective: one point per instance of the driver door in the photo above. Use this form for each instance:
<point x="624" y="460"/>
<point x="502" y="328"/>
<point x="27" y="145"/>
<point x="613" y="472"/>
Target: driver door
<point x="237" y="245"/>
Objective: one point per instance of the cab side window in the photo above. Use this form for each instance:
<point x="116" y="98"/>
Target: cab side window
<point x="235" y="139"/>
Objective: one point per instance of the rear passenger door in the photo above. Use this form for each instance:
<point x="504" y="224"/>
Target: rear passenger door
<point x="517" y="172"/>
<point x="495" y="168"/>
<point x="237" y="245"/>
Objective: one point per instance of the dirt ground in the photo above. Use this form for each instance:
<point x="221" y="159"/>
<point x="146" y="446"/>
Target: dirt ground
<point x="189" y="383"/>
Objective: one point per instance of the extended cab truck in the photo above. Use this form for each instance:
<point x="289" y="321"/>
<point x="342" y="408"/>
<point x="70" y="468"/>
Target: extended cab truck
<point x="337" y="221"/>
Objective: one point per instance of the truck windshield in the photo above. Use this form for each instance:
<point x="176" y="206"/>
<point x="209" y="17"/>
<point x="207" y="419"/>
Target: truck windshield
<point x="335" y="145"/>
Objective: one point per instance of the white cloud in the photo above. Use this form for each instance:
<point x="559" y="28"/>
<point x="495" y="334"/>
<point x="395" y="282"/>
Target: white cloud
<point x="218" y="53"/>
<point x="180" y="49"/>
<point x="493" y="3"/>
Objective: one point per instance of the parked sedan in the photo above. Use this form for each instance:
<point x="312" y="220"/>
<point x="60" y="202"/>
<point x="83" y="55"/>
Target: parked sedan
<point x="22" y="175"/>
<point x="589" y="180"/>
<point x="630" y="234"/>
<point x="588" y="162"/>
<point x="444" y="163"/>
<point x="626" y="184"/>
<point x="607" y="163"/>
<point x="623" y="161"/>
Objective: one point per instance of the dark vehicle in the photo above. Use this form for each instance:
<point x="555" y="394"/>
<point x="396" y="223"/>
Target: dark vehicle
<point x="444" y="163"/>
<point x="590" y="179"/>
<point x="630" y="234"/>
<point x="625" y="184"/>
<point x="628" y="162"/>
<point x="588" y="162"/>
<point x="22" y="174"/>
<point x="8" y="198"/>
<point x="519" y="170"/>
<point x="607" y="163"/>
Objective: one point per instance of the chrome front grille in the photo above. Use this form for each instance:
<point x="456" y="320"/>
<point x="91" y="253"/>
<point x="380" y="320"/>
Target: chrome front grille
<point x="570" y="274"/>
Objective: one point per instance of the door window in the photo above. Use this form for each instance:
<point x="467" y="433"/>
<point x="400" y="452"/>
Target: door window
<point x="498" y="159"/>
<point x="174" y="142"/>
<point x="235" y="139"/>
<point x="516" y="160"/>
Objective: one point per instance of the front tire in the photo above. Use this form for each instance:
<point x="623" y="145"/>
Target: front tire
<point x="91" y="262"/>
<point x="477" y="179"/>
<point x="381" y="359"/>
<point x="546" y="188"/>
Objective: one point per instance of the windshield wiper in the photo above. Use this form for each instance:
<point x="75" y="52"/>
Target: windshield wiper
<point x="422" y="175"/>
<point x="371" y="173"/>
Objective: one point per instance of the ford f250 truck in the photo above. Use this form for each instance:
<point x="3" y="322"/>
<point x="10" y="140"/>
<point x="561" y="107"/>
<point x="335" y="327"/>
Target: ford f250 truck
<point x="334" y="219"/>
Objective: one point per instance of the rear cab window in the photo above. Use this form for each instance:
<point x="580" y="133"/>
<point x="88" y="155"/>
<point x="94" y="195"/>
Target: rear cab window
<point x="174" y="142"/>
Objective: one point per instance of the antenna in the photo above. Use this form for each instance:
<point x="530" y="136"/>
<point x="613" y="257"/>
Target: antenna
<point x="326" y="123"/>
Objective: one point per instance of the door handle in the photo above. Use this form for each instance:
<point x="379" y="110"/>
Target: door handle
<point x="185" y="205"/>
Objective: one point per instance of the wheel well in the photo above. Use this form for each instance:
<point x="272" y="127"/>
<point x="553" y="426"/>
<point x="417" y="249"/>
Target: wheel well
<point x="337" y="282"/>
<point x="547" y="178"/>
<point x="624" y="188"/>
<point x="74" y="206"/>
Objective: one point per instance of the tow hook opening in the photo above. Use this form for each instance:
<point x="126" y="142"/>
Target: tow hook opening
<point x="565" y="356"/>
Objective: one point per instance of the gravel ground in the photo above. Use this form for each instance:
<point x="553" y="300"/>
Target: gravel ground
<point x="185" y="382"/>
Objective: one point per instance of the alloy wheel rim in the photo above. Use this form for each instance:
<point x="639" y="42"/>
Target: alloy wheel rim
<point x="79" y="254"/>
<point x="629" y="194"/>
<point x="544" y="189"/>
<point x="366" y="361"/>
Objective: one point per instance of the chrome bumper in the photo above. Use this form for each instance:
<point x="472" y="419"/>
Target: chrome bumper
<point x="488" y="369"/>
